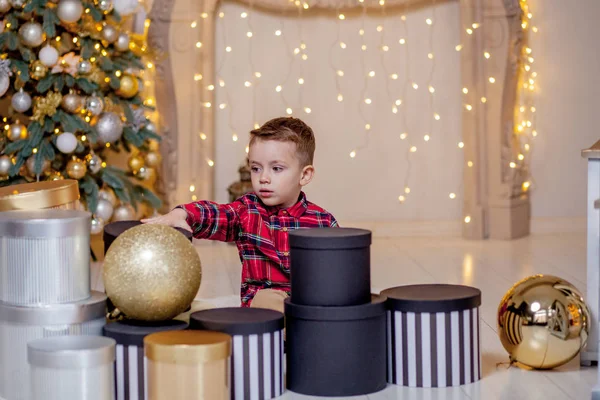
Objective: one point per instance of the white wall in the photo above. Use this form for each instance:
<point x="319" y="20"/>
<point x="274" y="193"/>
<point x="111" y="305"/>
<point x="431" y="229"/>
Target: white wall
<point x="367" y="187"/>
<point x="568" y="103"/>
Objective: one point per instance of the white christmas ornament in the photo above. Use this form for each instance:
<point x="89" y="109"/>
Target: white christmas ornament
<point x="69" y="11"/>
<point x="125" y="7"/>
<point x="66" y="142"/>
<point x="48" y="56"/>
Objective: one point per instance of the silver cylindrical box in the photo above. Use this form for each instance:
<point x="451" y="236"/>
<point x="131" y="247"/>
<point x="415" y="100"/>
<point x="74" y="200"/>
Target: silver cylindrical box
<point x="44" y="257"/>
<point x="20" y="325"/>
<point x="72" y="367"/>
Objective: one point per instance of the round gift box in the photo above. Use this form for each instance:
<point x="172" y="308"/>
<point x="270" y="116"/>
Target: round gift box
<point x="20" y="325"/>
<point x="257" y="353"/>
<point x="45" y="256"/>
<point x="188" y="365"/>
<point x="63" y="194"/>
<point x="72" y="367"/>
<point x="330" y="266"/>
<point x="114" y="229"/>
<point x="130" y="377"/>
<point x="336" y="351"/>
<point x="433" y="335"/>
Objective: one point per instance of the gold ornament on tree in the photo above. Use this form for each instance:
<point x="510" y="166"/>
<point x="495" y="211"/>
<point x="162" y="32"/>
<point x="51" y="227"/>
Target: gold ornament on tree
<point x="46" y="106"/>
<point x="135" y="162"/>
<point x="543" y="322"/>
<point x="72" y="102"/>
<point x="151" y="273"/>
<point x="38" y="70"/>
<point x="16" y="131"/>
<point x="76" y="169"/>
<point x="152" y="159"/>
<point x="129" y="86"/>
<point x="31" y="165"/>
<point x="123" y="212"/>
<point x="55" y="176"/>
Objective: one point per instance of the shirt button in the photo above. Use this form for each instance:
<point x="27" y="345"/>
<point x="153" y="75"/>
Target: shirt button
<point x="284" y="229"/>
<point x="285" y="212"/>
<point x="286" y="253"/>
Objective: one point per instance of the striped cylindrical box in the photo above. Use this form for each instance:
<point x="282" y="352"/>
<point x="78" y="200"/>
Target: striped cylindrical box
<point x="20" y="325"/>
<point x="45" y="257"/>
<point x="257" y="348"/>
<point x="72" y="367"/>
<point x="433" y="335"/>
<point x="130" y="367"/>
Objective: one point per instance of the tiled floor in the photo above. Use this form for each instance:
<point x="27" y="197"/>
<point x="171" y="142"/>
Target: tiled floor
<point x="492" y="266"/>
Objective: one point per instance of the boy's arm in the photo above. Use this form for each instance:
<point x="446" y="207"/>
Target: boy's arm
<point x="210" y="220"/>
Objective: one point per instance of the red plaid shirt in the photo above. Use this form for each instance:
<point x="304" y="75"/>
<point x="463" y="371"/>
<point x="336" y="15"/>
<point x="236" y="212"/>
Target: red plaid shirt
<point x="261" y="235"/>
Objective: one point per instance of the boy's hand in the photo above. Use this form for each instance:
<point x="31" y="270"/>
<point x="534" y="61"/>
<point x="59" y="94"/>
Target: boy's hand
<point x="176" y="218"/>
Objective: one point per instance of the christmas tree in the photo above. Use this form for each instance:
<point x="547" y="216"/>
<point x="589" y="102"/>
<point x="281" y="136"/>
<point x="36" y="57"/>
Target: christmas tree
<point x="72" y="72"/>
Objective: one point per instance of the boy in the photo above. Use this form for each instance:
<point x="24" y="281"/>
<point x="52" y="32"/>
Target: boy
<point x="280" y="159"/>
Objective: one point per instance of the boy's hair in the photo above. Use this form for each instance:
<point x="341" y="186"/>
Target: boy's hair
<point x="288" y="129"/>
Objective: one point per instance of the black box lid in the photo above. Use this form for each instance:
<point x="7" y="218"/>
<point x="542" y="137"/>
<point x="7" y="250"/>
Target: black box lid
<point x="432" y="298"/>
<point x="132" y="333"/>
<point x="329" y="238"/>
<point x="237" y="320"/>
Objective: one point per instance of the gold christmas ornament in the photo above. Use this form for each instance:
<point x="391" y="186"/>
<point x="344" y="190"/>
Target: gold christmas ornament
<point x="123" y="212"/>
<point x="46" y="106"/>
<point x="151" y="273"/>
<point x="129" y="86"/>
<point x="543" y="322"/>
<point x="152" y="159"/>
<point x="16" y="131"/>
<point x="38" y="70"/>
<point x="135" y="162"/>
<point x="72" y="103"/>
<point x="55" y="176"/>
<point x="76" y="169"/>
<point x="31" y="166"/>
<point x="153" y="145"/>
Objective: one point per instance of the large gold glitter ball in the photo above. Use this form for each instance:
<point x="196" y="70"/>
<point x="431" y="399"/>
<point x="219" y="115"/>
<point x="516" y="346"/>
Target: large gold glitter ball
<point x="129" y="86"/>
<point x="543" y="322"/>
<point x="152" y="273"/>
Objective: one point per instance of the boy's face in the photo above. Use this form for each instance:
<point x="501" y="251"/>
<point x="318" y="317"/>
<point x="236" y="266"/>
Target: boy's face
<point x="277" y="176"/>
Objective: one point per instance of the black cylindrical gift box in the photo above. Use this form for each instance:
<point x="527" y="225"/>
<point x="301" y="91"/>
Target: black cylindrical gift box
<point x="336" y="351"/>
<point x="330" y="266"/>
<point x="257" y="348"/>
<point x="130" y="366"/>
<point x="114" y="229"/>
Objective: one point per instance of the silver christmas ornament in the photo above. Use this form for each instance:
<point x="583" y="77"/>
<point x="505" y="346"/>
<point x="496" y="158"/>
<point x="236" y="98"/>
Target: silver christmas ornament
<point x="72" y="103"/>
<point x="97" y="225"/>
<point x="94" y="163"/>
<point x="66" y="142"/>
<point x="94" y="105"/>
<point x="4" y="84"/>
<point x="124" y="212"/>
<point x="69" y="11"/>
<point x="31" y="166"/>
<point x="108" y="195"/>
<point x="18" y="3"/>
<point x="5" y="165"/>
<point x="31" y="34"/>
<point x="48" y="56"/>
<point x="21" y="101"/>
<point x="104" y="210"/>
<point x="105" y="5"/>
<point x="109" y="127"/>
<point x="152" y="159"/>
<point x="16" y="131"/>
<point x="84" y="67"/>
<point x="110" y="33"/>
<point x="4" y="6"/>
<point x="122" y="43"/>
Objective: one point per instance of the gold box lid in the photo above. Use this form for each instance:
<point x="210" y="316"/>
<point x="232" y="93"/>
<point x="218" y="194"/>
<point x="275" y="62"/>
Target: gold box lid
<point x="38" y="195"/>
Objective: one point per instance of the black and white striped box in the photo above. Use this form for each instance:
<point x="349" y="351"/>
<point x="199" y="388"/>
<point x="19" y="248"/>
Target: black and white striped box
<point x="130" y="365"/>
<point x="433" y="335"/>
<point x="257" y="348"/>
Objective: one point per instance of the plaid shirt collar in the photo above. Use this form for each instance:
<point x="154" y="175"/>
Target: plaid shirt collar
<point x="295" y="211"/>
